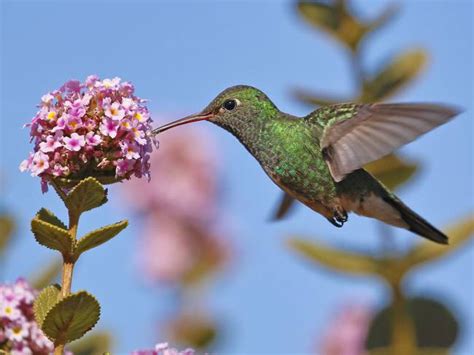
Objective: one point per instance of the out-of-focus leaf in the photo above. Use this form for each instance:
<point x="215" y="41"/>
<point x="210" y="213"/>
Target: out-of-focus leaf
<point x="51" y="236"/>
<point x="99" y="342"/>
<point x="384" y="17"/>
<point x="316" y="99"/>
<point x="284" y="207"/>
<point x="394" y="76"/>
<point x="335" y="259"/>
<point x="98" y="237"/>
<point x="392" y="170"/>
<point x="435" y="325"/>
<point x="458" y="234"/>
<point x="7" y="226"/>
<point x="71" y="317"/>
<point x="46" y="275"/>
<point x="46" y="299"/>
<point x="193" y="330"/>
<point x="333" y="19"/>
<point x="86" y="195"/>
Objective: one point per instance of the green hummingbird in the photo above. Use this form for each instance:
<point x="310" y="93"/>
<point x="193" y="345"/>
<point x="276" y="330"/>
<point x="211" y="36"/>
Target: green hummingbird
<point x="318" y="159"/>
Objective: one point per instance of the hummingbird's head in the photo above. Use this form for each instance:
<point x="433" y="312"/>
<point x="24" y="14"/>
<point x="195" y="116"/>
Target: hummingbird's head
<point x="236" y="109"/>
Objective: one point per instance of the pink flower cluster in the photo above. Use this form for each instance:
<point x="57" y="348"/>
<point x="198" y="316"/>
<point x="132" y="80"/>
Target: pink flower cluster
<point x="163" y="349"/>
<point x="97" y="128"/>
<point x="19" y="333"/>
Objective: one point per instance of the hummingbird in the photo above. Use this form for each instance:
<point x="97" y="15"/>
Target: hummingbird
<point x="318" y="159"/>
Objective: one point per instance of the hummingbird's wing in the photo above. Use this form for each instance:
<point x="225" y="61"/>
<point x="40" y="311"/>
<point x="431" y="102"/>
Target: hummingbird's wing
<point x="356" y="134"/>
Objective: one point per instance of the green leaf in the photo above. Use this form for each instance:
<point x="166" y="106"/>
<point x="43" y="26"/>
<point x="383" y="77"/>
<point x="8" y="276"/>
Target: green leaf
<point x="392" y="170"/>
<point x="334" y="259"/>
<point x="384" y="17"/>
<point x="99" y="236"/>
<point x="72" y="317"/>
<point x="46" y="299"/>
<point x="86" y="195"/>
<point x="334" y="20"/>
<point x="394" y="76"/>
<point x="7" y="227"/>
<point x="99" y="342"/>
<point x="458" y="234"/>
<point x="46" y="275"/>
<point x="195" y="329"/>
<point x="51" y="236"/>
<point x="435" y="325"/>
<point x="49" y="217"/>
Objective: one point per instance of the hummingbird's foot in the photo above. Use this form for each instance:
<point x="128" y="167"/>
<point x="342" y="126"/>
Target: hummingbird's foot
<point x="339" y="218"/>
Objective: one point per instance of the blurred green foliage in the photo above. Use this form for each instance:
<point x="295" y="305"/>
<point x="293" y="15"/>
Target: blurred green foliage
<point x="406" y="325"/>
<point x="7" y="228"/>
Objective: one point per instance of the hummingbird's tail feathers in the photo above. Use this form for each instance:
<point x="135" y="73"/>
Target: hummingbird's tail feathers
<point x="415" y="222"/>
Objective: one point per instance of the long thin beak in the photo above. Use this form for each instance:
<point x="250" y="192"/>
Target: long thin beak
<point x="185" y="120"/>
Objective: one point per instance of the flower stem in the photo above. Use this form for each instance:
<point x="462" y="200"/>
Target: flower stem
<point x="68" y="268"/>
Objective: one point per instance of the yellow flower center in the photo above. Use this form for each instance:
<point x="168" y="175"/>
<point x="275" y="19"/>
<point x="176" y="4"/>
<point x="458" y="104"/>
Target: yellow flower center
<point x="51" y="115"/>
<point x="138" y="116"/>
<point x="114" y="111"/>
<point x="16" y="330"/>
<point x="8" y="310"/>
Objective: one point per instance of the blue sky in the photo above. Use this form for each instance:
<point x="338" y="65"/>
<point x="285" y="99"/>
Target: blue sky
<point x="180" y="54"/>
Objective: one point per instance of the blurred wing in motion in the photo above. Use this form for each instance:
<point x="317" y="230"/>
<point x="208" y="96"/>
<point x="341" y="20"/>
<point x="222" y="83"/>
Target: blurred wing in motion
<point x="374" y="131"/>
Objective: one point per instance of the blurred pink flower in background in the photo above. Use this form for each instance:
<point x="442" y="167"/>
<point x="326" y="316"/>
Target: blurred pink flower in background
<point x="181" y="238"/>
<point x="347" y="332"/>
<point x="184" y="177"/>
<point x="172" y="250"/>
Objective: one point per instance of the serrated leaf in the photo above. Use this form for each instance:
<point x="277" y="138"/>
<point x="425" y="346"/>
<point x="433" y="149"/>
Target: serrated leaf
<point x="52" y="236"/>
<point x="284" y="206"/>
<point x="334" y="20"/>
<point x="99" y="342"/>
<point x="335" y="259"/>
<point x="7" y="226"/>
<point x="46" y="299"/>
<point x="86" y="195"/>
<point x="458" y="234"/>
<point x="72" y="317"/>
<point x="99" y="236"/>
<point x="395" y="75"/>
<point x="49" y="217"/>
<point x="392" y="170"/>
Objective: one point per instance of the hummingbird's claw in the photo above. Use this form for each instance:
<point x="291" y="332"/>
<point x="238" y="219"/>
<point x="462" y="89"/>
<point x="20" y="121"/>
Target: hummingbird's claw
<point x="335" y="222"/>
<point x="339" y="218"/>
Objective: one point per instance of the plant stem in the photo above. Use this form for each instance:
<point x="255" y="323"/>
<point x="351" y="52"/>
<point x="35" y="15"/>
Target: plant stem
<point x="403" y="328"/>
<point x="68" y="268"/>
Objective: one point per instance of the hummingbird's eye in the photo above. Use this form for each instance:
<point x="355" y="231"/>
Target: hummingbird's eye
<point x="229" y="105"/>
